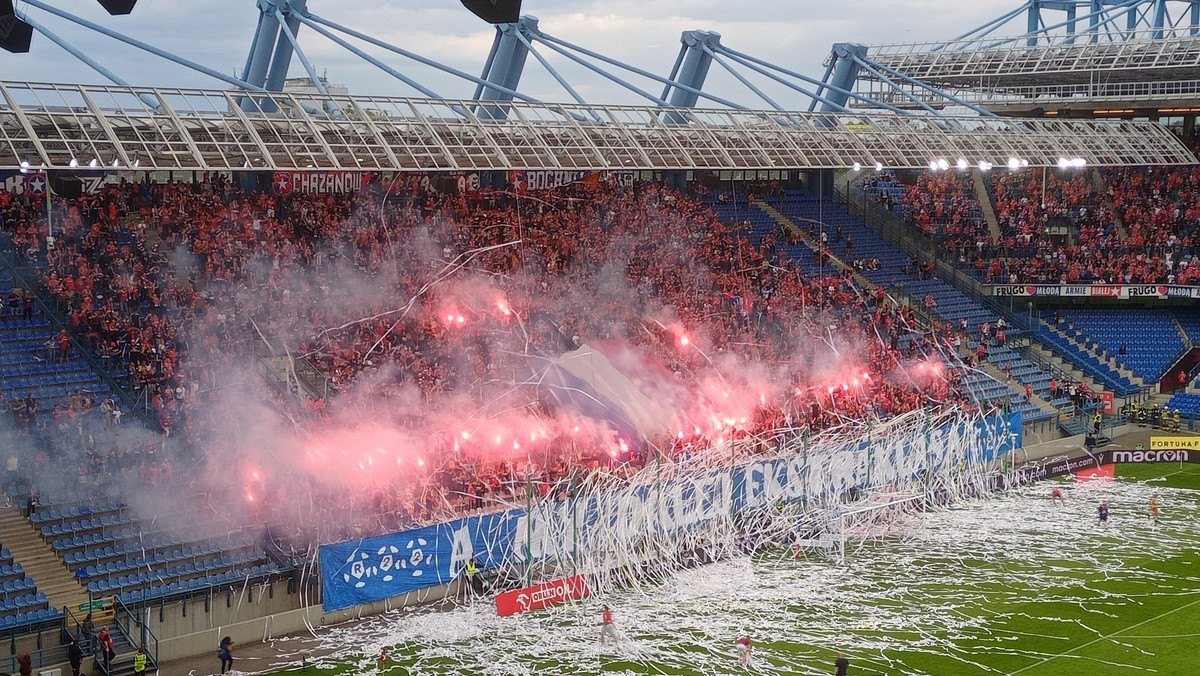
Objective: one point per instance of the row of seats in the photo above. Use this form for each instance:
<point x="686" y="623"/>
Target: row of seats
<point x="27" y="370"/>
<point x="82" y="525"/>
<point x="196" y="584"/>
<point x="22" y="584"/>
<point x="64" y="514"/>
<point x="1186" y="403"/>
<point x="30" y="616"/>
<point x="24" y="602"/>
<point x="111" y="552"/>
<point x="113" y="537"/>
<point x="1104" y="375"/>
<point x="11" y="322"/>
<point x="113" y="584"/>
<point x="46" y="380"/>
<point x="26" y="335"/>
<point x="1151" y="336"/>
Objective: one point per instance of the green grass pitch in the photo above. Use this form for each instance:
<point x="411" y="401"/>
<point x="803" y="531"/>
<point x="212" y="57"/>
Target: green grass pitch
<point x="1010" y="585"/>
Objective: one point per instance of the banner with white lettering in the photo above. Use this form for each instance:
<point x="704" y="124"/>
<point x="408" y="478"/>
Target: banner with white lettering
<point x="36" y="184"/>
<point x="1118" y="291"/>
<point x="1169" y="452"/>
<point x="318" y="182"/>
<point x="371" y="569"/>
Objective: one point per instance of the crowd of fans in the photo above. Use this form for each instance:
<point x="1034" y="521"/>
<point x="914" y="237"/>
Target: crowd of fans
<point x="1056" y="227"/>
<point x="415" y="303"/>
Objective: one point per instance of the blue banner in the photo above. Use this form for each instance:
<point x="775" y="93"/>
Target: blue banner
<point x="371" y="569"/>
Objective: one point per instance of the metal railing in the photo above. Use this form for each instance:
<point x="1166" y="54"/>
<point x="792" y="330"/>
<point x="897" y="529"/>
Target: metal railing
<point x="129" y="624"/>
<point x="41" y="656"/>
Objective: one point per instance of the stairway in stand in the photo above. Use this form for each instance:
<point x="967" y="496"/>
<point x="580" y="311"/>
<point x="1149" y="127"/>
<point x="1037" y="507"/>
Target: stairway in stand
<point x="52" y="576"/>
<point x="985" y="205"/>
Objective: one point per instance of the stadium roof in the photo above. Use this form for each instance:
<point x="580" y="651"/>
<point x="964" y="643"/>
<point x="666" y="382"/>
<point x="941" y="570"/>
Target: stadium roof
<point x="1065" y="59"/>
<point x="64" y="126"/>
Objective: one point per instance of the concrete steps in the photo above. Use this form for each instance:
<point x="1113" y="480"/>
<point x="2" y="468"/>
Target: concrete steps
<point x="1102" y="189"/>
<point x="985" y="205"/>
<point x="52" y="576"/>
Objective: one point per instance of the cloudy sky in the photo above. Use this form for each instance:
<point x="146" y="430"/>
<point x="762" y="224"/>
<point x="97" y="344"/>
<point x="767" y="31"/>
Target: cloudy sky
<point x="796" y="34"/>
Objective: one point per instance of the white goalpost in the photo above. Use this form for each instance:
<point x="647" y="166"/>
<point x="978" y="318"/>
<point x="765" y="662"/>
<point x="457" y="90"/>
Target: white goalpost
<point x="877" y="517"/>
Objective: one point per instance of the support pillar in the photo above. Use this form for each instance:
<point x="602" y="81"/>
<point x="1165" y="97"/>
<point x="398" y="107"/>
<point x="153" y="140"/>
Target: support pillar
<point x="261" y="50"/>
<point x="694" y="63"/>
<point x="844" y="73"/>
<point x="282" y="59"/>
<point x="506" y="65"/>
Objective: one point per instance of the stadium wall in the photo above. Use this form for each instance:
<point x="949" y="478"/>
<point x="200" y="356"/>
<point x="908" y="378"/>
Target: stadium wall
<point x="187" y="630"/>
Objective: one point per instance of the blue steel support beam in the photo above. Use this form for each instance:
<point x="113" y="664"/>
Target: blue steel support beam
<point x="1037" y="23"/>
<point x="487" y="65"/>
<point x="253" y="45"/>
<point x="1160" y="17"/>
<point x="72" y="49"/>
<point x="133" y="42"/>
<point x="987" y="28"/>
<point x="825" y="78"/>
<point x="558" y="76"/>
<point x="696" y="59"/>
<point x="1098" y="20"/>
<point x="674" y="71"/>
<point x="846" y="57"/>
<point x="748" y="84"/>
<point x="761" y="68"/>
<point x="315" y="22"/>
<point x="371" y="60"/>
<point x="289" y="27"/>
<point x="79" y="54"/>
<point x="286" y="32"/>
<point x="264" y="45"/>
<point x="765" y="68"/>
<point x="506" y="68"/>
<point x="866" y="65"/>
<point x="562" y="46"/>
<point x="946" y="95"/>
<point x="1091" y="16"/>
<point x="693" y="71"/>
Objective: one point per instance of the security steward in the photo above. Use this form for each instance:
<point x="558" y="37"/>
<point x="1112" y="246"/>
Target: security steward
<point x="471" y="571"/>
<point x="139" y="661"/>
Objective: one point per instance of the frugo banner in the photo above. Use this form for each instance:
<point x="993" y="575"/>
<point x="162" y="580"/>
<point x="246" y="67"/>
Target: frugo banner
<point x="541" y="595"/>
<point x="1118" y="291"/>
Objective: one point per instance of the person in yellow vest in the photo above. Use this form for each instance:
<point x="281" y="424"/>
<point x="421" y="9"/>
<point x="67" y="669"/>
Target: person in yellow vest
<point x="1097" y="421"/>
<point x="139" y="661"/>
<point x="471" y="571"/>
<point x="1177" y="420"/>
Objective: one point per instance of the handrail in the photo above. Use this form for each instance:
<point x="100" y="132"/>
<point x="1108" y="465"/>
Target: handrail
<point x="126" y="620"/>
<point x="40" y="657"/>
